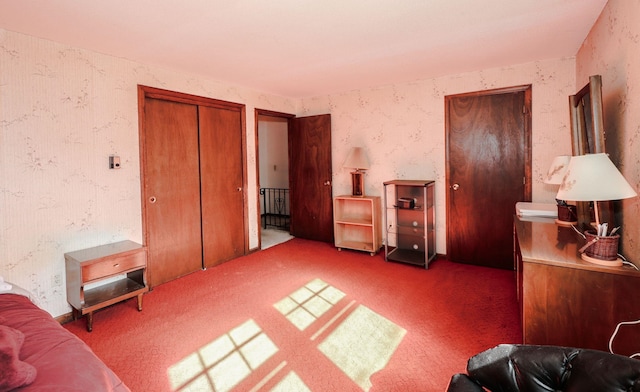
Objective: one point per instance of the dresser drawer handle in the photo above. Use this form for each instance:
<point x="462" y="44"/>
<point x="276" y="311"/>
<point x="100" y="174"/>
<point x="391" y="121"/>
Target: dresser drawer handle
<point x="116" y="265"/>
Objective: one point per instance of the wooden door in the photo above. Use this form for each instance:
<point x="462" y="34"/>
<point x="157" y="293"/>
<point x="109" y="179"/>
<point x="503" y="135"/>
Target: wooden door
<point x="222" y="182"/>
<point x="171" y="189"/>
<point x="488" y="171"/>
<point x="310" y="178"/>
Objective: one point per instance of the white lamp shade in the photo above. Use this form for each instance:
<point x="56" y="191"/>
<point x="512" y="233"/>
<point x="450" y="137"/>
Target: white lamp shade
<point x="593" y="177"/>
<point x="356" y="159"/>
<point x="557" y="170"/>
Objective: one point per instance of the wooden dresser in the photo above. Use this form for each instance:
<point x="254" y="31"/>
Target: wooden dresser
<point x="566" y="301"/>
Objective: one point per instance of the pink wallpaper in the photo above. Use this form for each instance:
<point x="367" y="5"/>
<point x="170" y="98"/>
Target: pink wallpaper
<point x="63" y="110"/>
<point x="401" y="127"/>
<point x="612" y="49"/>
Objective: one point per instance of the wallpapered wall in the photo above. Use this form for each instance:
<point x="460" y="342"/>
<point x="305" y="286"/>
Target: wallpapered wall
<point x="63" y="111"/>
<point x="401" y="127"/>
<point x="612" y="50"/>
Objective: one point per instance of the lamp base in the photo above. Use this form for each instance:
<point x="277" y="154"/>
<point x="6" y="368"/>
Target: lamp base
<point x="609" y="263"/>
<point x="565" y="223"/>
<point x="357" y="183"/>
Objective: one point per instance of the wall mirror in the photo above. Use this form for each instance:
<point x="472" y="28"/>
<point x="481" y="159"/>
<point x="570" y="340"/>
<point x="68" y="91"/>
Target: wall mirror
<point x="587" y="123"/>
<point x="588" y="137"/>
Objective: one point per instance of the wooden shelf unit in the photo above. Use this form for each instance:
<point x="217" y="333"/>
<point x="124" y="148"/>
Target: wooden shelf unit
<point x="356" y="223"/>
<point x="88" y="267"/>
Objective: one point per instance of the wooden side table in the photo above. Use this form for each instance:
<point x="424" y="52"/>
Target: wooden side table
<point x="90" y="266"/>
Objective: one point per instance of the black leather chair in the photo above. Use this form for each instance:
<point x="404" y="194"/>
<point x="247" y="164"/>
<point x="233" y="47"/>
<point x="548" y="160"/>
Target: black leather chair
<point x="529" y="368"/>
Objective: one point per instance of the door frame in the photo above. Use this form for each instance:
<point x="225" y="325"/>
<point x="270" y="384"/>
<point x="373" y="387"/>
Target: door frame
<point x="257" y="114"/>
<point x="145" y="92"/>
<point x="527" y="142"/>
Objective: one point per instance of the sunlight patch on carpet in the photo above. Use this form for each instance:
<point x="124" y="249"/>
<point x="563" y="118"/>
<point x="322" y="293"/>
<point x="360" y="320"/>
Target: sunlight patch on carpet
<point x="362" y="345"/>
<point x="305" y="305"/>
<point x="291" y="383"/>
<point x="223" y="363"/>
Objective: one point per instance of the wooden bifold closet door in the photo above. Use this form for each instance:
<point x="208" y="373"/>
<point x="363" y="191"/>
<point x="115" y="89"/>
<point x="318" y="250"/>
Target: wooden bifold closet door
<point x="192" y="154"/>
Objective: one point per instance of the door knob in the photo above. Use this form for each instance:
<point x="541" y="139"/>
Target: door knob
<point x="239" y="189"/>
<point x="152" y="199"/>
<point x="327" y="183"/>
<point x="455" y="187"/>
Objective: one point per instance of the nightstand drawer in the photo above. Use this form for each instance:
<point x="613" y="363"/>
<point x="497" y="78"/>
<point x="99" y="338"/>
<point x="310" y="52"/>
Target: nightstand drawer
<point x="112" y="266"/>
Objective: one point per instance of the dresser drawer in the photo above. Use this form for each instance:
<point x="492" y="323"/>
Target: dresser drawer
<point x="112" y="266"/>
<point x="410" y="218"/>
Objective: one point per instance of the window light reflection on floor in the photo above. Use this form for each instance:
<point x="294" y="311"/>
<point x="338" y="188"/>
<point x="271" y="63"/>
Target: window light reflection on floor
<point x="308" y="303"/>
<point x="225" y="362"/>
<point x="291" y="382"/>
<point x="358" y="341"/>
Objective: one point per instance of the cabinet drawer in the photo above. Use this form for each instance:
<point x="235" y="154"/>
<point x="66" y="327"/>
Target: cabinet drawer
<point x="411" y="242"/>
<point x="112" y="266"/>
<point x="415" y="231"/>
<point x="410" y="218"/>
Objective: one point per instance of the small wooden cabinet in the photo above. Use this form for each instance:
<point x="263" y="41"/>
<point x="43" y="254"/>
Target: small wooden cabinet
<point x="86" y="268"/>
<point x="356" y="222"/>
<point x="410" y="235"/>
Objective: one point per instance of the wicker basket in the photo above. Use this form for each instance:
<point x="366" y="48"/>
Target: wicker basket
<point x="605" y="248"/>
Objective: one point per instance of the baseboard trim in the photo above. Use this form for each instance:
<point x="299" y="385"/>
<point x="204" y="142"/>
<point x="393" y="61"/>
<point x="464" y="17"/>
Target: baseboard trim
<point x="65" y="318"/>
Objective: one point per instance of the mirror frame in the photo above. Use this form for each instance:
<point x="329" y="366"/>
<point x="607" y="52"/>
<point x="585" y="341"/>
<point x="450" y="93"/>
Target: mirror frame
<point x="587" y="121"/>
<point x="588" y="137"/>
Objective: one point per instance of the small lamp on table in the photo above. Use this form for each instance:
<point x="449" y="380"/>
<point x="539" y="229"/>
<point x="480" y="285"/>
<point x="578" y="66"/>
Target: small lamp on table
<point x="566" y="213"/>
<point x="593" y="177"/>
<point x="357" y="159"/>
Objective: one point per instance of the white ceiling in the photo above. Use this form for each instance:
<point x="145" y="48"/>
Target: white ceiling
<point x="301" y="48"/>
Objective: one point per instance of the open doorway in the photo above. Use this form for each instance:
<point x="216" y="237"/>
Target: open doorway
<point x="273" y="175"/>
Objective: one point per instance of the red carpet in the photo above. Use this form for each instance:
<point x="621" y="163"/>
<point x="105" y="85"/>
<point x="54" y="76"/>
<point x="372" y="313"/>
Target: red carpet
<point x="448" y="313"/>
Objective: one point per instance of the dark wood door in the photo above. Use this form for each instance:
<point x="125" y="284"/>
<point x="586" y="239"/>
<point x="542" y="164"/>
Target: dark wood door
<point x="171" y="193"/>
<point x="221" y="152"/>
<point x="488" y="171"/>
<point x="310" y="178"/>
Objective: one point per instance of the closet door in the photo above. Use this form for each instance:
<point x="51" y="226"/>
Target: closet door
<point x="171" y="180"/>
<point x="221" y="171"/>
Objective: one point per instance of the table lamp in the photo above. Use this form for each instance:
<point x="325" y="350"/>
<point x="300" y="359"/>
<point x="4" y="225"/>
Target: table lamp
<point x="593" y="177"/>
<point x="357" y="160"/>
<point x="557" y="170"/>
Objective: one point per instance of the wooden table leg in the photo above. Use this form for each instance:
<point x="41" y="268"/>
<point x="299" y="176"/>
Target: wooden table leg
<point x="89" y="321"/>
<point x="139" y="302"/>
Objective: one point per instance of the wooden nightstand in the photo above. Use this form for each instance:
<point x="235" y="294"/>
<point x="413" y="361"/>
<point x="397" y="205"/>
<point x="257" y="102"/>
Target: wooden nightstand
<point x="92" y="265"/>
